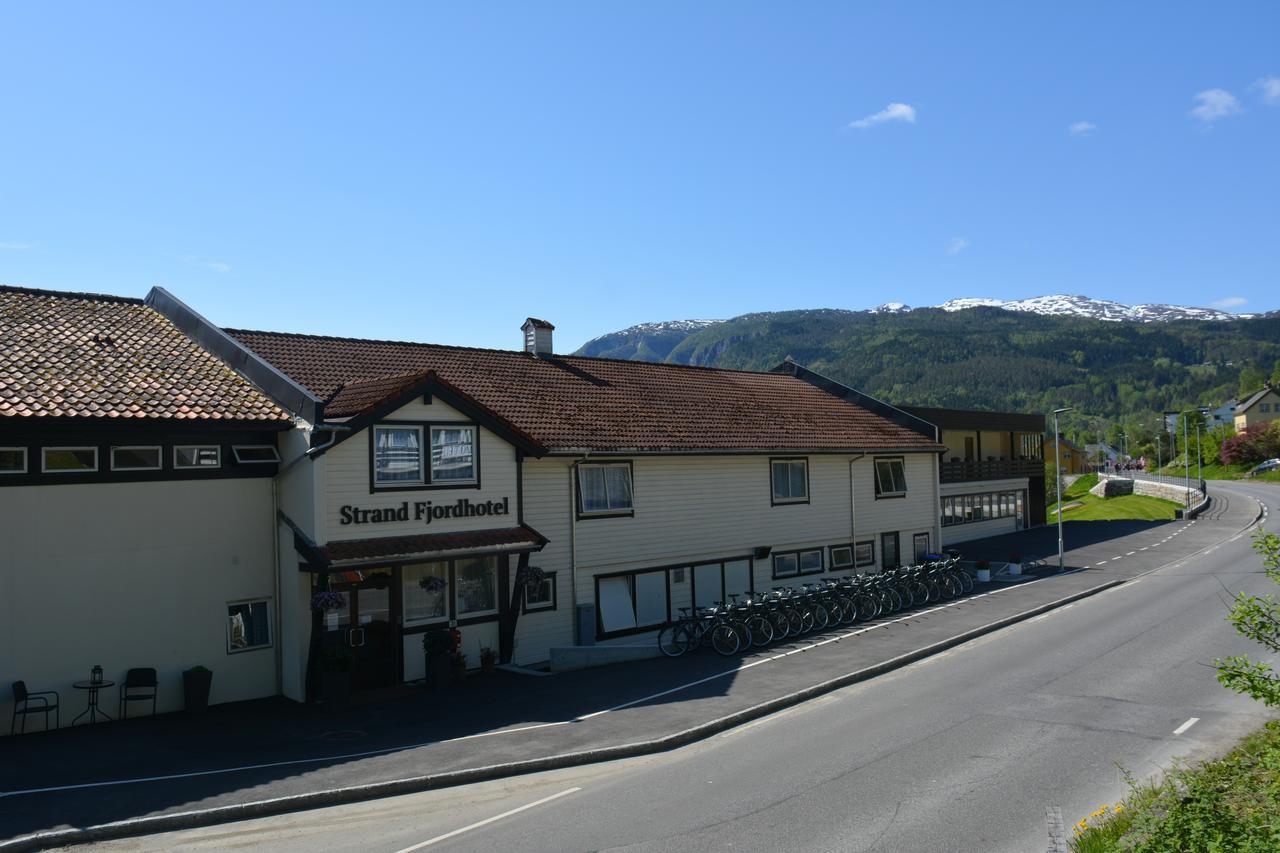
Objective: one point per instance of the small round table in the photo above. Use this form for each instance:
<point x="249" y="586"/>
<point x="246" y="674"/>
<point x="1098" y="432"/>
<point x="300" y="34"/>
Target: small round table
<point x="92" y="711"/>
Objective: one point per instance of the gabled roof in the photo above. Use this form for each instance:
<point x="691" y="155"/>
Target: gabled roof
<point x="1248" y="403"/>
<point x="84" y="355"/>
<point x="578" y="404"/>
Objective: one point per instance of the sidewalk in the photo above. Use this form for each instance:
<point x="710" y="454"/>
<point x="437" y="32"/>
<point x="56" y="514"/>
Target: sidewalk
<point x="255" y="752"/>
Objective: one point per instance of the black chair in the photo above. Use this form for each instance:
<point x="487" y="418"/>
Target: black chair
<point x="139" y="685"/>
<point x="24" y="703"/>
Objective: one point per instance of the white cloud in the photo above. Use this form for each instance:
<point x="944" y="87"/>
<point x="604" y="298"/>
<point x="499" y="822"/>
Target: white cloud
<point x="218" y="266"/>
<point x="1270" y="87"/>
<point x="957" y="245"/>
<point x="1082" y="128"/>
<point x="1215" y="104"/>
<point x="17" y="247"/>
<point x="893" y="112"/>
<point x="1229" y="302"/>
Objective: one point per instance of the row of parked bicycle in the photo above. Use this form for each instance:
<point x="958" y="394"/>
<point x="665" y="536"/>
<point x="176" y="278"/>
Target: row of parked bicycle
<point x="766" y="617"/>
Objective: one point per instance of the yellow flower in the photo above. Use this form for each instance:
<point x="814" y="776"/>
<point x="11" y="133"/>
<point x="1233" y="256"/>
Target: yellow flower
<point x="1119" y="808"/>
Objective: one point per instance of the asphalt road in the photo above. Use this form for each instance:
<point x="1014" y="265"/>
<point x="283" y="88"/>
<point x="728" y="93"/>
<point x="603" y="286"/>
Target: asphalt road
<point x="964" y="751"/>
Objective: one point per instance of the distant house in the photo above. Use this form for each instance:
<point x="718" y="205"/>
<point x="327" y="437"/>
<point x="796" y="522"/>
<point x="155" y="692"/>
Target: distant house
<point x="1101" y="453"/>
<point x="1072" y="459"/>
<point x="1263" y="406"/>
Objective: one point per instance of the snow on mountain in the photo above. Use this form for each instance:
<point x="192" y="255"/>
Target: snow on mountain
<point x="891" y="308"/>
<point x="688" y="326"/>
<point x="1098" y="309"/>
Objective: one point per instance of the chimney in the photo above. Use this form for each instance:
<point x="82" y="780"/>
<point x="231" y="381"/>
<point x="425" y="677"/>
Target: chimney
<point x="537" y="336"/>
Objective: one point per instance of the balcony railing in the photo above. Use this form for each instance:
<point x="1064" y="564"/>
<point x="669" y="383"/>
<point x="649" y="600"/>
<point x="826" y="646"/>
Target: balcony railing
<point x="1000" y="469"/>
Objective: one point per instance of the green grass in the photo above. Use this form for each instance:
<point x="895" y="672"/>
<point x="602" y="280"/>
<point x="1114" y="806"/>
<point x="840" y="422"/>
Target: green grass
<point x="1080" y="487"/>
<point x="1124" y="507"/>
<point x="1232" y="804"/>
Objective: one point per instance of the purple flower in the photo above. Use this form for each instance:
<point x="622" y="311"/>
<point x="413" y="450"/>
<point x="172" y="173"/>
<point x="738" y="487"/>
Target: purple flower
<point x="328" y="600"/>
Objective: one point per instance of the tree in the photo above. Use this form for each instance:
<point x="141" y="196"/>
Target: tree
<point x="1251" y="379"/>
<point x="1257" y="618"/>
<point x="1252" y="444"/>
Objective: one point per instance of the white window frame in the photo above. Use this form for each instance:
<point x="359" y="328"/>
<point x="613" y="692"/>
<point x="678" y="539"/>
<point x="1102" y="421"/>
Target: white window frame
<point x="423" y="458"/>
<point x="455" y="587"/>
<point x="44" y="461"/>
<point x="236" y="448"/>
<point x="159" y="457"/>
<point x="271" y="632"/>
<point x="25" y="462"/>
<point x="549" y="580"/>
<point x="630" y="509"/>
<point x="881" y="492"/>
<point x="835" y="563"/>
<point x="475" y="454"/>
<point x="773" y="484"/>
<point x="178" y="466"/>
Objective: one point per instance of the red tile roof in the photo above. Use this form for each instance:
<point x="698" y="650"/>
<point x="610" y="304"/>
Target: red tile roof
<point x="577" y="403"/>
<point x="430" y="545"/>
<point x="81" y="355"/>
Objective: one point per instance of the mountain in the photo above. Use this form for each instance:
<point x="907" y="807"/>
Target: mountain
<point x="1098" y="309"/>
<point x="985" y="357"/>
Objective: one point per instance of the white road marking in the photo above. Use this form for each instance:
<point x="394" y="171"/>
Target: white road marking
<point x="1131" y="553"/>
<point x="1144" y="548"/>
<point x="1188" y="724"/>
<point x="1100" y="562"/>
<point x="489" y="820"/>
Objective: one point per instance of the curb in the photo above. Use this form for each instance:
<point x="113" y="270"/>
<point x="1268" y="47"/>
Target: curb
<point x="395" y="787"/>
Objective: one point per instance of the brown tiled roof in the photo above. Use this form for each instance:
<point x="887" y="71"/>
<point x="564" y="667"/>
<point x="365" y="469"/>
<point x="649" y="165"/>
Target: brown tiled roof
<point x="428" y="545"/>
<point x="578" y="403"/>
<point x="81" y="355"/>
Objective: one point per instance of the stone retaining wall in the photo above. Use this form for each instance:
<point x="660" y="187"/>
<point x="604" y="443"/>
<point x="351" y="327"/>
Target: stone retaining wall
<point x="1176" y="492"/>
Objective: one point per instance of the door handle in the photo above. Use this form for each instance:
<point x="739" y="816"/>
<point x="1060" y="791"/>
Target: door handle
<point x="355" y="637"/>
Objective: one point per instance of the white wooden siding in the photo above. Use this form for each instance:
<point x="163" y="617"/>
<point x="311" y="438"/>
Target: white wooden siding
<point x="548" y="511"/>
<point x="347" y="479"/>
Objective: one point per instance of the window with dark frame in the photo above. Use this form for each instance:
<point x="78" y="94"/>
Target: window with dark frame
<point x="890" y="558"/>
<point x="891" y="478"/>
<point x="605" y="488"/>
<point x="255" y="454"/>
<point x="70" y="459"/>
<point x="964" y="509"/>
<point x="841" y="557"/>
<point x="136" y="459"/>
<point x="13" y="460"/>
<point x="795" y="563"/>
<point x="541" y="595"/>
<point x="248" y="626"/>
<point x="920" y="546"/>
<point x="397" y="456"/>
<point x="453" y="454"/>
<point x="789" y="479"/>
<point x="864" y="553"/>
<point x="632" y="602"/>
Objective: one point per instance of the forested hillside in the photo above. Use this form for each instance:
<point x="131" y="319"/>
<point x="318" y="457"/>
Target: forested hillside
<point x="988" y="358"/>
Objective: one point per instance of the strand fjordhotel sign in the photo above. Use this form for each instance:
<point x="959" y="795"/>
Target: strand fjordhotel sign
<point x="424" y="511"/>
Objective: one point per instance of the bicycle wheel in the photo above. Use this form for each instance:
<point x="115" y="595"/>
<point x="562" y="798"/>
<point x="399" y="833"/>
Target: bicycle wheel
<point x="806" y="621"/>
<point x="760" y="630"/>
<point x="821" y="616"/>
<point x="781" y="625"/>
<point x="671" y="640"/>
<point x="724" y="639"/>
<point x="868" y="608"/>
<point x="966" y="581"/>
<point x="935" y="593"/>
<point x="744" y="634"/>
<point x="795" y="620"/>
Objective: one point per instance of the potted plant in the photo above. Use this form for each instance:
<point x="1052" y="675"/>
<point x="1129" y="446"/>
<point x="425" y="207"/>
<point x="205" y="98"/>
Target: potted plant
<point x="983" y="570"/>
<point x="1015" y="564"/>
<point x="327" y="600"/>
<point x="438" y="645"/>
<point x="335" y="676"/>
<point x="195" y="688"/>
<point x="458" y="666"/>
<point x="488" y="660"/>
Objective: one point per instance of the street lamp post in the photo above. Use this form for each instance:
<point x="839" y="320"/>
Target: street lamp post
<point x="1159" y="476"/>
<point x="1186" y="459"/>
<point x="1199" y="458"/>
<point x="1057" y="462"/>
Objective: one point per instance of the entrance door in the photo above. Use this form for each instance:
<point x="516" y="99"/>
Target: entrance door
<point x="889" y="558"/>
<point x="365" y="626"/>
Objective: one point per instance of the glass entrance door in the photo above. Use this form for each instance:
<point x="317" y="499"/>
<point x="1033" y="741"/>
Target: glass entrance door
<point x="366" y="627"/>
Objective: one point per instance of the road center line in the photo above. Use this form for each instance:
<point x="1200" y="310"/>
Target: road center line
<point x="489" y="820"/>
<point x="1188" y="724"/>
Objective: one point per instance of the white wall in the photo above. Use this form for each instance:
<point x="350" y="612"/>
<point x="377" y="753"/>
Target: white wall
<point x="548" y="510"/>
<point x="132" y="575"/>
<point x="979" y="529"/>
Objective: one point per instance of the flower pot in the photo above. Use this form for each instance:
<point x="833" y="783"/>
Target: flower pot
<point x="195" y="689"/>
<point x="984" y="575"/>
<point x="335" y="688"/>
<point x="437" y="672"/>
<point x="1015" y="568"/>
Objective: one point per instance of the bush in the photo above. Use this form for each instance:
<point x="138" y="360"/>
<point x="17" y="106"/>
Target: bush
<point x="1252" y="445"/>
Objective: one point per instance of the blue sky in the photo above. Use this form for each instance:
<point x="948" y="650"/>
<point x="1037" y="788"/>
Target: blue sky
<point x="434" y="172"/>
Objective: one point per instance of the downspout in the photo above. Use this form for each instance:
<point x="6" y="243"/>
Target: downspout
<point x="573" y="545"/>
<point x="853" y="510"/>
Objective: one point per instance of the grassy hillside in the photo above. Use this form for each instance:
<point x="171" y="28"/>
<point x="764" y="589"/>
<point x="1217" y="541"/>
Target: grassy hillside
<point x="987" y="358"/>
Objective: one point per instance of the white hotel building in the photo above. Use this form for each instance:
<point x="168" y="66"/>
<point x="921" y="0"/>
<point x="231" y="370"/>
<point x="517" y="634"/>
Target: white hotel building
<point x="418" y="480"/>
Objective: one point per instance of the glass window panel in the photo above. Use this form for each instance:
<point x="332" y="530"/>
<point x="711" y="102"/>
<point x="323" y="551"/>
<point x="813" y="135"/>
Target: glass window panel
<point x="425" y="590"/>
<point x="986" y="507"/>
<point x="651" y="598"/>
<point x="737" y="577"/>
<point x="248" y="626"/>
<point x="921" y="545"/>
<point x="810" y="561"/>
<point x="135" y="458"/>
<point x="71" y="459"/>
<point x="13" y="460"/>
<point x="591" y="487"/>
<point x="617" y="483"/>
<point x="899" y="475"/>
<point x="799" y="479"/>
<point x="541" y="594"/>
<point x="865" y="552"/>
<point x="785" y="565"/>
<point x="397" y="455"/>
<point x="889" y="550"/>
<point x="617" y="613"/>
<point x="790" y="481"/>
<point x="476" y="579"/>
<point x="706" y="580"/>
<point x="968" y="507"/>
<point x="453" y="455"/>
<point x="197" y="457"/>
<point x="255" y="454"/>
<point x="841" y="558"/>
